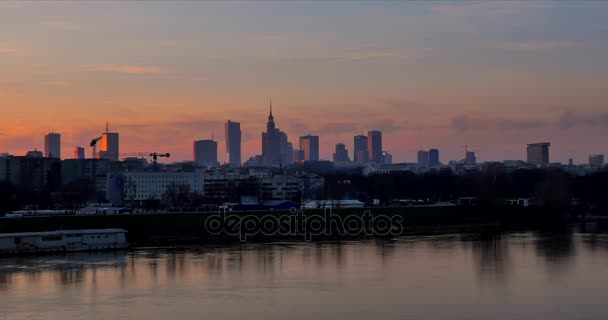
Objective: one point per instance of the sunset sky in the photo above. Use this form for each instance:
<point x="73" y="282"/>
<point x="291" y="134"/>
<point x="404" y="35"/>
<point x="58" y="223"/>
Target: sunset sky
<point x="496" y="75"/>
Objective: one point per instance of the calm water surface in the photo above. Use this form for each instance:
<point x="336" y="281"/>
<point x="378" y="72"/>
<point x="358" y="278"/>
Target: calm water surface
<point x="507" y="276"/>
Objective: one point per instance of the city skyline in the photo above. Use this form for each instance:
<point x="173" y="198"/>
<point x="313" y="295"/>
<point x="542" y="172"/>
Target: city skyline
<point x="494" y="75"/>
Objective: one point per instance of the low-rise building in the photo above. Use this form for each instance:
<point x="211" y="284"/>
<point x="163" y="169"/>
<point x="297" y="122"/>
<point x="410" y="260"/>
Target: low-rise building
<point x="137" y="187"/>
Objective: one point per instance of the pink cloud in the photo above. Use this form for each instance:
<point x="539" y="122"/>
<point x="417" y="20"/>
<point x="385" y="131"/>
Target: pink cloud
<point x="124" y="69"/>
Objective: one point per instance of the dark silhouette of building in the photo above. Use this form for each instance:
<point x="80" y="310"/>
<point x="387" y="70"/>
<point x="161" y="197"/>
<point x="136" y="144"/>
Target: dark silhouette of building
<point x="298" y="155"/>
<point x="205" y="152"/>
<point x="276" y="149"/>
<point x="434" y="158"/>
<point x="310" y="145"/>
<point x="52" y="145"/>
<point x="78" y="153"/>
<point x="374" y="146"/>
<point x="596" y="160"/>
<point x="423" y="158"/>
<point x="233" y="143"/>
<point x="538" y="153"/>
<point x="361" y="153"/>
<point x="470" y="158"/>
<point x="341" y="154"/>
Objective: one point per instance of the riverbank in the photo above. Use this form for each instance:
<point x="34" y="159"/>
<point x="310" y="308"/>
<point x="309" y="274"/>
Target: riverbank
<point x="218" y="227"/>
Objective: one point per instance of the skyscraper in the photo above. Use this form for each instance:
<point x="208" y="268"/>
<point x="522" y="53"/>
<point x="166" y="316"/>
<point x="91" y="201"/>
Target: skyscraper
<point x="374" y="146"/>
<point x="538" y="153"/>
<point x="310" y="145"/>
<point x="52" y="145"/>
<point x="341" y="154"/>
<point x="79" y="153"/>
<point x="423" y="158"/>
<point x="361" y="153"/>
<point x="205" y="152"/>
<point x="275" y="145"/>
<point x="233" y="143"/>
<point x="109" y="145"/>
<point x="434" y="158"/>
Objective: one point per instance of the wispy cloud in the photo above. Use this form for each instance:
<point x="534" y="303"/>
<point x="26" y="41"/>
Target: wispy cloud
<point x="368" y="55"/>
<point x="125" y="69"/>
<point x="62" y="25"/>
<point x="56" y="83"/>
<point x="569" y="119"/>
<point x="8" y="49"/>
<point x="531" y="46"/>
<point x="462" y="123"/>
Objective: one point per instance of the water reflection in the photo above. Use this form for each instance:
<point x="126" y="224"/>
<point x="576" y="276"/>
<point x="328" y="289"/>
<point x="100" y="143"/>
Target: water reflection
<point x="362" y="275"/>
<point x="492" y="255"/>
<point x="557" y="248"/>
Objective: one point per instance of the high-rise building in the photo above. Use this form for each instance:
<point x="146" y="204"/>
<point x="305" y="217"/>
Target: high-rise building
<point x="233" y="143"/>
<point x="288" y="153"/>
<point x="596" y="160"/>
<point x="205" y="152"/>
<point x="276" y="150"/>
<point x="387" y="158"/>
<point x="109" y="145"/>
<point x="341" y="154"/>
<point x="538" y="153"/>
<point x="434" y="158"/>
<point x="361" y="153"/>
<point x="310" y="145"/>
<point x="79" y="153"/>
<point x="374" y="146"/>
<point x="423" y="158"/>
<point x="52" y="145"/>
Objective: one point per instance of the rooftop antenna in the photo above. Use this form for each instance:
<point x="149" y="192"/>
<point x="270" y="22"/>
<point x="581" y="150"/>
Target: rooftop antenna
<point x="107" y="127"/>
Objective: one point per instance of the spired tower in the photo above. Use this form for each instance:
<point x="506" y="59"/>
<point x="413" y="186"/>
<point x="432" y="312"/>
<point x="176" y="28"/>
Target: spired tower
<point x="275" y="145"/>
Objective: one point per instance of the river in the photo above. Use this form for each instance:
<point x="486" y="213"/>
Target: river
<point x="518" y="275"/>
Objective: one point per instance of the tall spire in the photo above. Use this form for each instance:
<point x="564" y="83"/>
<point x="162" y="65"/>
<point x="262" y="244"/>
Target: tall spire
<point x="270" y="116"/>
<point x="107" y="127"/>
<point x="270" y="124"/>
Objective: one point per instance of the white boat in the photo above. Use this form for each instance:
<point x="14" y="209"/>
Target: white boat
<point x="63" y="241"/>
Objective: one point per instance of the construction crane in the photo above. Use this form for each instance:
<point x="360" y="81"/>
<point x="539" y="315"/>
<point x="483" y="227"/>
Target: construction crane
<point x="93" y="145"/>
<point x="153" y="155"/>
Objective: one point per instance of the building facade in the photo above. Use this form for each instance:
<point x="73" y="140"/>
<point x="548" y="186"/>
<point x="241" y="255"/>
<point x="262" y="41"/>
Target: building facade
<point x="143" y="186"/>
<point x="205" y="153"/>
<point x="233" y="143"/>
<point x="52" y="145"/>
<point x="78" y="153"/>
<point x="374" y="146"/>
<point x="341" y="154"/>
<point x="434" y="158"/>
<point x="361" y="153"/>
<point x="275" y="145"/>
<point x="110" y="148"/>
<point x="538" y="153"/>
<point x="310" y="146"/>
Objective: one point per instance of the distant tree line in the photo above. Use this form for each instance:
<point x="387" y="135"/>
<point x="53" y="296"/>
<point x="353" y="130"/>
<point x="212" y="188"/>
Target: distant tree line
<point x="554" y="188"/>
